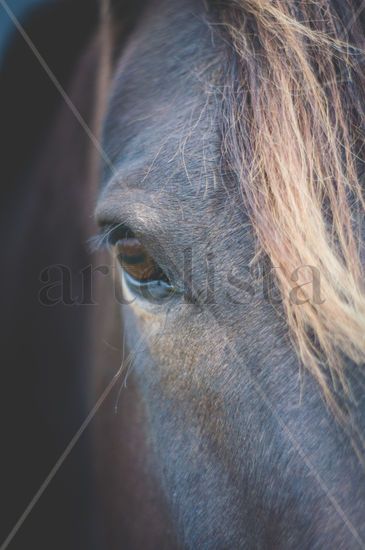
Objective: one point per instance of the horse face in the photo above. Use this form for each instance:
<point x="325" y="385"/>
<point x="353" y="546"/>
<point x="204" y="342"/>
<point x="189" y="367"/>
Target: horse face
<point x="246" y="449"/>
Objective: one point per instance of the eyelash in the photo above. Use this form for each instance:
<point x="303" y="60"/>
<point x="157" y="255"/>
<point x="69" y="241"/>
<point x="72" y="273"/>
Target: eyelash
<point x="107" y="236"/>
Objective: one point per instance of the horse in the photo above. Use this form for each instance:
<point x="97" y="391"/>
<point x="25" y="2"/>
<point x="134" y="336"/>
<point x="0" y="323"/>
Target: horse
<point x="229" y="155"/>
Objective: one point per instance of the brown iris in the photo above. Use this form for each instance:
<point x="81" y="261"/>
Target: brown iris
<point x="137" y="262"/>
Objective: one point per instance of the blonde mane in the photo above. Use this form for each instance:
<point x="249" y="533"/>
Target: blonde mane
<point x="295" y="138"/>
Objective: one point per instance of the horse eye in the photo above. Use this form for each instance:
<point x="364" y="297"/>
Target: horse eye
<point x="142" y="275"/>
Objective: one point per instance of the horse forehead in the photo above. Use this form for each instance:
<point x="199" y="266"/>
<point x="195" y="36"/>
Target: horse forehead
<point x="168" y="53"/>
<point x="163" y="113"/>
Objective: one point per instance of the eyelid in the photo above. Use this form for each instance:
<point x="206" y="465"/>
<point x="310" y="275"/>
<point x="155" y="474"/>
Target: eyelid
<point x="115" y="233"/>
<point x="126" y="210"/>
<point x="109" y="234"/>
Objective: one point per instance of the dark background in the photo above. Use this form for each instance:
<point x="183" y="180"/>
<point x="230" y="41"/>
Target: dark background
<point x="44" y="363"/>
<point x="22" y="9"/>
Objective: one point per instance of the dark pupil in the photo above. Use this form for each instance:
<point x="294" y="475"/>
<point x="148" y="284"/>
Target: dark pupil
<point x="136" y="261"/>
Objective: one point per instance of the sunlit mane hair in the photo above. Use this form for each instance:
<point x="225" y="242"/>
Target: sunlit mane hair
<point x="294" y="136"/>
